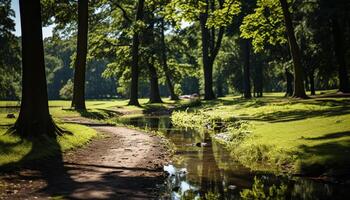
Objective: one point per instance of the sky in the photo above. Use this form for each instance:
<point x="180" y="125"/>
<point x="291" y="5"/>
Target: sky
<point x="47" y="31"/>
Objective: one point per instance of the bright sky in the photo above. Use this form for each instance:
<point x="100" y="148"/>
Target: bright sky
<point x="47" y="31"/>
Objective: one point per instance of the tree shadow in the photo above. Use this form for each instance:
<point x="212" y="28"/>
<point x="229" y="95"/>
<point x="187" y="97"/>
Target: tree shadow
<point x="331" y="136"/>
<point x="331" y="158"/>
<point x="75" y="180"/>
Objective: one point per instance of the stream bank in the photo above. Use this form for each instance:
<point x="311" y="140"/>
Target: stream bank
<point x="209" y="171"/>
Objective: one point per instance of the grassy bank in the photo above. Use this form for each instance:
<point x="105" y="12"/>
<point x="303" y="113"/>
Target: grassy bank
<point x="15" y="150"/>
<point x="309" y="137"/>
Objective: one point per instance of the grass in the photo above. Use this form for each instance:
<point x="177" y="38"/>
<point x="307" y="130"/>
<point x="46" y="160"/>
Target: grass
<point x="307" y="137"/>
<point x="15" y="150"/>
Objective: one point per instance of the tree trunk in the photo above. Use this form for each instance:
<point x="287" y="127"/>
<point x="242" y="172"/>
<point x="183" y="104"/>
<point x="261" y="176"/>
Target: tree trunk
<point x="339" y="51"/>
<point x="168" y="76"/>
<point x="135" y="59"/>
<point x="220" y="85"/>
<point x="154" y="89"/>
<point x="299" y="90"/>
<point x="207" y="61"/>
<point x="78" y="101"/>
<point x="259" y="80"/>
<point x="246" y="70"/>
<point x="289" y="80"/>
<point x="312" y="83"/>
<point x="34" y="117"/>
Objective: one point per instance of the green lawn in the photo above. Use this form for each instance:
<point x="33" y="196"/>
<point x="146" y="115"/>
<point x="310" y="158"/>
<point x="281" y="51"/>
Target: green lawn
<point x="274" y="133"/>
<point x="271" y="133"/>
<point x="15" y="150"/>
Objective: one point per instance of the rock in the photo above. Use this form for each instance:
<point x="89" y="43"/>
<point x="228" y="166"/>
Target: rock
<point x="183" y="171"/>
<point x="11" y="116"/>
<point x="201" y="144"/>
<point x="232" y="187"/>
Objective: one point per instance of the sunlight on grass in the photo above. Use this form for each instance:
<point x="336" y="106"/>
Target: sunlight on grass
<point x="14" y="150"/>
<point x="299" y="136"/>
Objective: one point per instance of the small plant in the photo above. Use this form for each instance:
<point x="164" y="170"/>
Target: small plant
<point x="260" y="191"/>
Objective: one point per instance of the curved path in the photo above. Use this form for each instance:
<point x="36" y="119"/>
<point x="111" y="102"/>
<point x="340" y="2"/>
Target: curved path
<point x="123" y="164"/>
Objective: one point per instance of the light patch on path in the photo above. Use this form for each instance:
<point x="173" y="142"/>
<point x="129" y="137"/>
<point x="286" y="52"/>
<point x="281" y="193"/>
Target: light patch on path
<point x="124" y="164"/>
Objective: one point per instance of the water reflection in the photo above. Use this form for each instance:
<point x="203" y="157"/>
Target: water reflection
<point x="209" y="172"/>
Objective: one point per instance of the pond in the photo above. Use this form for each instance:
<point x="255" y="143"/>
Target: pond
<point x="203" y="169"/>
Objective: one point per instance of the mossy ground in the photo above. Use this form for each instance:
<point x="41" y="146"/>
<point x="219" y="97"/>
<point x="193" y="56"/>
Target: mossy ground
<point x="310" y="136"/>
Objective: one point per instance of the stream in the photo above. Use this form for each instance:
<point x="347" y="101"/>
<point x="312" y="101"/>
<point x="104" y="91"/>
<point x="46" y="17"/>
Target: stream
<point x="203" y="169"/>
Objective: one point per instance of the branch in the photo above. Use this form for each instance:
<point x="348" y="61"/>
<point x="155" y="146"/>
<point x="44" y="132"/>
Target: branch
<point x="125" y="14"/>
<point x="216" y="49"/>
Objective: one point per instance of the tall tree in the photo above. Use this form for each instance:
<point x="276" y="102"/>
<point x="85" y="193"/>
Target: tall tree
<point x="135" y="56"/>
<point x="154" y="95"/>
<point x="78" y="101"/>
<point x="164" y="63"/>
<point x="34" y="117"/>
<point x="267" y="26"/>
<point x="246" y="69"/>
<point x="210" y="49"/>
<point x="212" y="16"/>
<point x="9" y="54"/>
<point x="339" y="50"/>
<point x="299" y="90"/>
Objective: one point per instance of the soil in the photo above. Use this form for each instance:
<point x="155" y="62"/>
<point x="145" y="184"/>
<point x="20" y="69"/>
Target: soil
<point x="123" y="164"/>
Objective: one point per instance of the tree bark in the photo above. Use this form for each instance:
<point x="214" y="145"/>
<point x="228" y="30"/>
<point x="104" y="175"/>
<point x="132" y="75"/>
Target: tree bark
<point x="166" y="70"/>
<point x="154" y="89"/>
<point x="148" y="39"/>
<point x="246" y="70"/>
<point x="289" y="80"/>
<point x="259" y="80"/>
<point x="207" y="61"/>
<point x="78" y="101"/>
<point x="299" y="90"/>
<point x="135" y="58"/>
<point x="312" y="83"/>
<point x="339" y="51"/>
<point x="34" y="117"/>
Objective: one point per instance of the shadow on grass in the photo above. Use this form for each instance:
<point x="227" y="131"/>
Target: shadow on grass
<point x="294" y="115"/>
<point x="332" y="107"/>
<point x="331" y="136"/>
<point x="74" y="180"/>
<point x="98" y="114"/>
<point x="331" y="158"/>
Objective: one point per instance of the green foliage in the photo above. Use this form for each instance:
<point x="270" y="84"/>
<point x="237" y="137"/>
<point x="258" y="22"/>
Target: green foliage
<point x="9" y="54"/>
<point x="66" y="91"/>
<point x="265" y="26"/>
<point x="259" y="191"/>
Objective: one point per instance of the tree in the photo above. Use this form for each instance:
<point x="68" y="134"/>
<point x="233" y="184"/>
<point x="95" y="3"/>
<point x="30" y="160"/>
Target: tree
<point x="149" y="43"/>
<point x="339" y="50"/>
<point x="135" y="56"/>
<point x="9" y="54"/>
<point x="268" y="26"/>
<point x="78" y="101"/>
<point x="299" y="90"/>
<point x="212" y="16"/>
<point x="34" y="117"/>
<point x="246" y="70"/>
<point x="164" y="63"/>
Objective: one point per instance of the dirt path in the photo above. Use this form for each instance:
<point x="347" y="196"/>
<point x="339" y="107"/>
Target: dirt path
<point x="124" y="164"/>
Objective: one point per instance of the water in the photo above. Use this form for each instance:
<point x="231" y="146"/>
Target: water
<point x="209" y="172"/>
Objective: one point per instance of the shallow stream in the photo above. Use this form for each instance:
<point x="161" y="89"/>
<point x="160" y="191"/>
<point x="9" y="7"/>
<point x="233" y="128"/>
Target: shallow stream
<point x="203" y="169"/>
